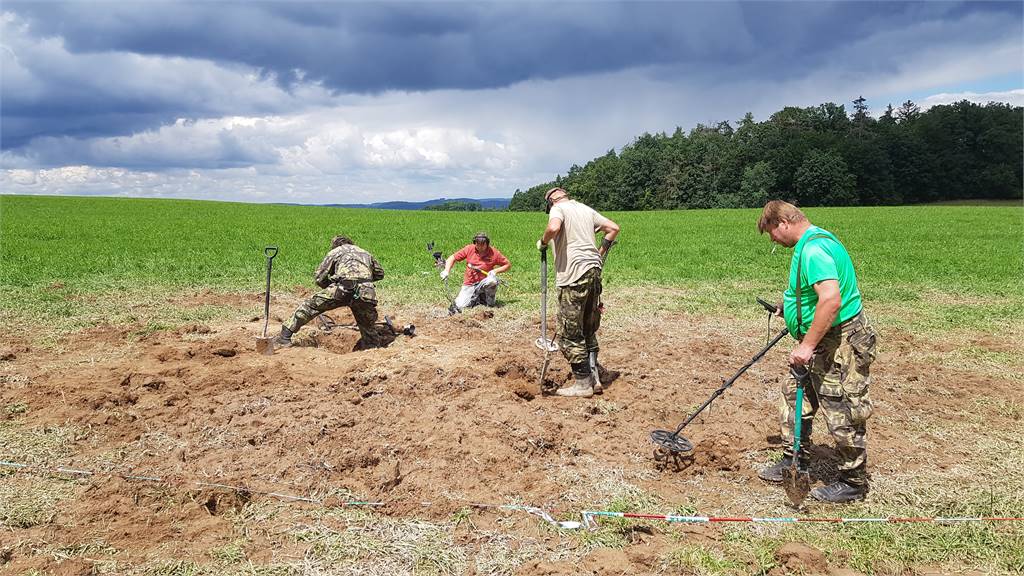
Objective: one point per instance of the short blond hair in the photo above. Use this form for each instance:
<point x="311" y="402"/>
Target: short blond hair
<point x="776" y="211"/>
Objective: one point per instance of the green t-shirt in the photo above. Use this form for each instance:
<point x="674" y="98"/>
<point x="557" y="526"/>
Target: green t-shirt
<point x="822" y="257"/>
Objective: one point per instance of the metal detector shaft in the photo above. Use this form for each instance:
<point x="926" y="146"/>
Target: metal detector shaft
<point x="439" y="263"/>
<point x="782" y="334"/>
<point x="607" y="250"/>
<point x="767" y="306"/>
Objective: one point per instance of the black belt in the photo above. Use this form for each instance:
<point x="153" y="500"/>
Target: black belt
<point x="857" y="318"/>
<point x="350" y="284"/>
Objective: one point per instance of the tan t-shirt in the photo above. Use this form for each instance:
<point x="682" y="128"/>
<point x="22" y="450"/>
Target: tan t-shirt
<point x="574" y="246"/>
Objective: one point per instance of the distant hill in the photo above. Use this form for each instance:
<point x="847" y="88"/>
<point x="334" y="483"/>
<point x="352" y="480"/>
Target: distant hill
<point x="485" y="203"/>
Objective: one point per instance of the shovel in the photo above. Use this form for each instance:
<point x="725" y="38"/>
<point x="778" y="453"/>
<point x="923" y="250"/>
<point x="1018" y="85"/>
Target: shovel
<point x="265" y="345"/>
<point x="795" y="481"/>
<point x="593" y="355"/>
<point x="543" y="343"/>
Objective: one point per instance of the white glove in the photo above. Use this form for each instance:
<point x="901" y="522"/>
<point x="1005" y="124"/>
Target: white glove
<point x="444" y="274"/>
<point x="492" y="276"/>
<point x="541" y="246"/>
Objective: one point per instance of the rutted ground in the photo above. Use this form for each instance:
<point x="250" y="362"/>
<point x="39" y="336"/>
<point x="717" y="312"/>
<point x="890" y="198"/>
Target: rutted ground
<point x="452" y="417"/>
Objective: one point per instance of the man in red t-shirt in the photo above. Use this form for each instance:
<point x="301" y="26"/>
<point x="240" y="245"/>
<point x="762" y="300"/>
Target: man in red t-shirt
<point x="483" y="264"/>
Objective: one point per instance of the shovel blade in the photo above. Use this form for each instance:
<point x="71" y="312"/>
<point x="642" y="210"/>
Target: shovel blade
<point x="265" y="346"/>
<point x="797" y="484"/>
<point x="543" y="373"/>
<point x="546" y="345"/>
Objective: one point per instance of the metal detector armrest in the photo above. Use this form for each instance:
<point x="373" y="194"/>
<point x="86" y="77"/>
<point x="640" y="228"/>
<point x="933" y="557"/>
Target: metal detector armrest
<point x="768" y="306"/>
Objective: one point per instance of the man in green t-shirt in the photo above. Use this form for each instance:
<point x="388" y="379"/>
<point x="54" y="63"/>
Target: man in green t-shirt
<point x="823" y="311"/>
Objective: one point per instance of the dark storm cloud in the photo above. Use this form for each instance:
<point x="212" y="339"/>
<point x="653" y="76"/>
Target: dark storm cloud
<point x="355" y="47"/>
<point x="83" y="75"/>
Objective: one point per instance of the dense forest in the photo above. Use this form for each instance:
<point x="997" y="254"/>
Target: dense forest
<point x="456" y="206"/>
<point x="817" y="156"/>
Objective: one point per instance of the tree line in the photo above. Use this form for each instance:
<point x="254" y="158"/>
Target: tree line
<point x="456" y="206"/>
<point x="815" y="156"/>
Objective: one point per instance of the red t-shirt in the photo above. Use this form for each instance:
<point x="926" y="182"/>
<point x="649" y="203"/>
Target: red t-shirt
<point x="489" y="260"/>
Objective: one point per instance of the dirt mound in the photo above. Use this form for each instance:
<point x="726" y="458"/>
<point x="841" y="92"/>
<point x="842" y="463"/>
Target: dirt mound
<point x="799" y="559"/>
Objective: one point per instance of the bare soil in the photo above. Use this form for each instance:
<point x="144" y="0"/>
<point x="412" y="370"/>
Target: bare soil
<point x="451" y="417"/>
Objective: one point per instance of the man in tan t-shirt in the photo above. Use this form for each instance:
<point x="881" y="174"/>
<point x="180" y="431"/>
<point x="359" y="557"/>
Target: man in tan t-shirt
<point x="578" y="263"/>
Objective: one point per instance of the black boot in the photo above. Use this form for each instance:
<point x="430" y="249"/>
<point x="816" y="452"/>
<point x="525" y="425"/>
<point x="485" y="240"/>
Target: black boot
<point x="284" y="339"/>
<point x="584" y="386"/>
<point x="774" y="472"/>
<point x="839" y="492"/>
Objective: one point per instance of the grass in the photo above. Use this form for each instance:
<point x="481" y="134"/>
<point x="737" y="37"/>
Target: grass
<point x="120" y="260"/>
<point x="384" y="546"/>
<point x="702" y="561"/>
<point x="953" y="271"/>
<point x="38" y="445"/>
<point x="91" y="548"/>
<point x="230" y="553"/>
<point x="990" y="486"/>
<point x="502" y="555"/>
<point x="27" y="501"/>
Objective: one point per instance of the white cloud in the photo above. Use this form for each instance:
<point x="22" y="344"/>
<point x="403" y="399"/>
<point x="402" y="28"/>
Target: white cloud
<point x="1012" y="97"/>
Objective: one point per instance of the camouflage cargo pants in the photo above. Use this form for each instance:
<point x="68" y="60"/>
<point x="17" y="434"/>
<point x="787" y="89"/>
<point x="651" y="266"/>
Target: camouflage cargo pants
<point x="840" y="377"/>
<point x="362" y="302"/>
<point x="579" y="316"/>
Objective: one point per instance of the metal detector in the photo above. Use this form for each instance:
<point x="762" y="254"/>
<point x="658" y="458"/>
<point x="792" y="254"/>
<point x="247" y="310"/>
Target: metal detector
<point x="670" y="445"/>
<point x="543" y="342"/>
<point x="439" y="265"/>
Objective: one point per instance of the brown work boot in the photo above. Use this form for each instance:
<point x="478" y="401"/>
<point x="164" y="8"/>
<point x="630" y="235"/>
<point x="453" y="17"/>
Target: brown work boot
<point x="583" y="388"/>
<point x="284" y="339"/>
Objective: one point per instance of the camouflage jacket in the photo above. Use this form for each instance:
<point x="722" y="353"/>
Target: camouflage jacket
<point x="348" y="262"/>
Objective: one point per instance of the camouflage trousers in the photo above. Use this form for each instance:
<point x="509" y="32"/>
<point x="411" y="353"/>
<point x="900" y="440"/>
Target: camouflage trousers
<point x="840" y="376"/>
<point x="362" y="301"/>
<point x="579" y="317"/>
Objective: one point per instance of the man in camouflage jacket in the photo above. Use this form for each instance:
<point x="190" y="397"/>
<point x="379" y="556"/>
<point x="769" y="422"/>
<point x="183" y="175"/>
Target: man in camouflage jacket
<point x="346" y="277"/>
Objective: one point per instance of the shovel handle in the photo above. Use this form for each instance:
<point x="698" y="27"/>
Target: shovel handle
<point x="269" y="252"/>
<point x="544" y="296"/>
<point x="800" y="374"/>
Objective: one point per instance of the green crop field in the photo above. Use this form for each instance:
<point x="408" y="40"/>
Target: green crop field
<point x="937" y="267"/>
<point x="946" y="274"/>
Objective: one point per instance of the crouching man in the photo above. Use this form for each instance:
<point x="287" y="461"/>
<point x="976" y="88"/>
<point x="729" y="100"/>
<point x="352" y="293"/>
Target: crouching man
<point x="346" y="277"/>
<point x="483" y="264"/>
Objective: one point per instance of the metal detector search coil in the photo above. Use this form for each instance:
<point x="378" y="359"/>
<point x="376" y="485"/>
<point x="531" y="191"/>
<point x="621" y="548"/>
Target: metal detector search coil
<point x="671" y="441"/>
<point x="671" y="444"/>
